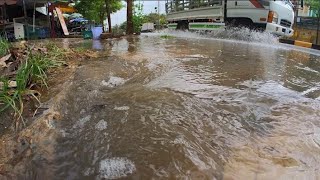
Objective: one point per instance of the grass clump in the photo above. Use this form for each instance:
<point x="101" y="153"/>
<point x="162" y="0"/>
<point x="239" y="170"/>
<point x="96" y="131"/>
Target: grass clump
<point x="31" y="73"/>
<point x="4" y="47"/>
<point x="166" y="36"/>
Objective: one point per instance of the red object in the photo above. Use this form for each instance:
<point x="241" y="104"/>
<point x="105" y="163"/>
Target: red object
<point x="257" y="4"/>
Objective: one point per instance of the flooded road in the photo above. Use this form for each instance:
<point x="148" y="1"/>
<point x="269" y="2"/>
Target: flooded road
<point x="188" y="108"/>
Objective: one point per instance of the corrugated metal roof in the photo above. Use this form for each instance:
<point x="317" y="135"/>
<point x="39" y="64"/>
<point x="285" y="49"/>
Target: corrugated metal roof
<point x="19" y="2"/>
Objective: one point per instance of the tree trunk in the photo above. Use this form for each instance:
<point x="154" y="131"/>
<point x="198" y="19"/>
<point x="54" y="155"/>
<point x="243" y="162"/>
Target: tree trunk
<point x="109" y="22"/>
<point x="129" y="17"/>
<point x="108" y="11"/>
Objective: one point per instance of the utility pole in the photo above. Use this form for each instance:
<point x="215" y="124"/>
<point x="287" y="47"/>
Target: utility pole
<point x="318" y="15"/>
<point x="25" y="18"/>
<point x="159" y="15"/>
<point x="296" y="11"/>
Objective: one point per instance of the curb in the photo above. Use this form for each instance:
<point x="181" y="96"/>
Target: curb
<point x="300" y="43"/>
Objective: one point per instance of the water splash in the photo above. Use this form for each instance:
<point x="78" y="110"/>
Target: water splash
<point x="236" y="33"/>
<point x="115" y="168"/>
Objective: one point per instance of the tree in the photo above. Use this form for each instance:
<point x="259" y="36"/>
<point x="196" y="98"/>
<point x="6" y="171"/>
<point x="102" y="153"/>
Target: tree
<point x="98" y="10"/>
<point x="154" y="18"/>
<point x="112" y="6"/>
<point x="315" y="7"/>
<point x="130" y="17"/>
<point x="138" y="17"/>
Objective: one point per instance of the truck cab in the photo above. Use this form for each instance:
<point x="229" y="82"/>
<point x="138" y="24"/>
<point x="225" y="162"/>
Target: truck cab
<point x="282" y="18"/>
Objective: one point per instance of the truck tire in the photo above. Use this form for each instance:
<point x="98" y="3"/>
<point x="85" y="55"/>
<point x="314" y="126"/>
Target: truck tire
<point x="183" y="25"/>
<point x="240" y="22"/>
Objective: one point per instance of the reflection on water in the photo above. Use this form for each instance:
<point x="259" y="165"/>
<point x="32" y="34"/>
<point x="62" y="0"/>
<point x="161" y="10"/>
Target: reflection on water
<point x="190" y="109"/>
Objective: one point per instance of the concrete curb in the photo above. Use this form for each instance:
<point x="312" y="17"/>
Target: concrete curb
<point x="300" y="43"/>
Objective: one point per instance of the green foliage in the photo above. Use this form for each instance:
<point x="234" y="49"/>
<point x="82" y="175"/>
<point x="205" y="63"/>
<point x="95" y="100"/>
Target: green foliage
<point x="314" y="5"/>
<point x="4" y="46"/>
<point x="96" y="10"/>
<point x="39" y="64"/>
<point x="33" y="71"/>
<point x="138" y="17"/>
<point x="92" y="10"/>
<point x="119" y="30"/>
<point x="154" y="18"/>
<point x="8" y="97"/>
<point x="114" y="5"/>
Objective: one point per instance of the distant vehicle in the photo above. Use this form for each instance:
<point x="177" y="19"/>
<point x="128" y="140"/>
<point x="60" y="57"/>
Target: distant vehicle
<point x="147" y="27"/>
<point x="275" y="16"/>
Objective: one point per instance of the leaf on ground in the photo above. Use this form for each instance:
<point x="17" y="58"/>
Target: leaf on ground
<point x="12" y="84"/>
<point x="4" y="59"/>
<point x="91" y="54"/>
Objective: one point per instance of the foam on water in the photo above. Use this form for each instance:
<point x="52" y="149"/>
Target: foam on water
<point x="101" y="125"/>
<point x="307" y="69"/>
<point x="114" y="168"/>
<point x="122" y="108"/>
<point x="82" y="122"/>
<point x="113" y="82"/>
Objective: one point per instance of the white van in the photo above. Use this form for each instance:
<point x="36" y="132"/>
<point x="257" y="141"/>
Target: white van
<point x="275" y="16"/>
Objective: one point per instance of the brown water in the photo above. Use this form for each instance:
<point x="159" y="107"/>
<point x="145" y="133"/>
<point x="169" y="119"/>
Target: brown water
<point x="188" y="108"/>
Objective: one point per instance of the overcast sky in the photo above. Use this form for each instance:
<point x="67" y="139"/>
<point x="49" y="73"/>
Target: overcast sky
<point x="148" y="7"/>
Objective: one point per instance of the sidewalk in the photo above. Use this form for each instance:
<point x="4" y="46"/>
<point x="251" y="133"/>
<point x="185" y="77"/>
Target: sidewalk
<point x="300" y="43"/>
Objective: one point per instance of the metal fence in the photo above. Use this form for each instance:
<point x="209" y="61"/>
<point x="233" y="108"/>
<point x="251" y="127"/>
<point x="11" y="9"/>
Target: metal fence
<point x="307" y="23"/>
<point x="181" y="5"/>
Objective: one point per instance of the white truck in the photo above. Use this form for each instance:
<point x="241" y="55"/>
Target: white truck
<point x="275" y="16"/>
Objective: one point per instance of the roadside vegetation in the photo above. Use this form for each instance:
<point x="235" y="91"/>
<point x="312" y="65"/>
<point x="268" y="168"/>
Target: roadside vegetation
<point x="139" y="18"/>
<point x="25" y="71"/>
<point x="166" y="36"/>
<point x="99" y="9"/>
<point x="4" y="47"/>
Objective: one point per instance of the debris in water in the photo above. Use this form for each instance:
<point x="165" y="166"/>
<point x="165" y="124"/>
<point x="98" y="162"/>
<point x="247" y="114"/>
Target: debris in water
<point x="4" y="59"/>
<point x="114" y="168"/>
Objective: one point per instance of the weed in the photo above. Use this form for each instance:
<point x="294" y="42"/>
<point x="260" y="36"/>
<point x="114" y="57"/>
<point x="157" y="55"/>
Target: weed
<point x="4" y="47"/>
<point x="39" y="64"/>
<point x="32" y="71"/>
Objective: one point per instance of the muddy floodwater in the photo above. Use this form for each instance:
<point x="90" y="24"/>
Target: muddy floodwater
<point x="186" y="108"/>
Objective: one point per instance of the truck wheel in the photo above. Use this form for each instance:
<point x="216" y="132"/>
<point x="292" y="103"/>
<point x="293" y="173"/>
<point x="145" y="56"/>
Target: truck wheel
<point x="246" y="23"/>
<point x="239" y="22"/>
<point x="183" y="25"/>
